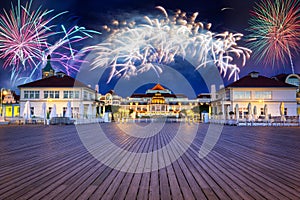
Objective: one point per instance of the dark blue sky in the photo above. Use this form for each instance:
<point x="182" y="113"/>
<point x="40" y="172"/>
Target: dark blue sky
<point x="94" y="13"/>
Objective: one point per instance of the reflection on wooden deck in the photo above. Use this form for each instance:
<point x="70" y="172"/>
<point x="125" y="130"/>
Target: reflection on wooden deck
<point x="50" y="162"/>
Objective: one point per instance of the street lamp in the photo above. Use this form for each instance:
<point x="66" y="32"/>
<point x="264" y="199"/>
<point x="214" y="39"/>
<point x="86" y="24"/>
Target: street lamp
<point x="3" y="93"/>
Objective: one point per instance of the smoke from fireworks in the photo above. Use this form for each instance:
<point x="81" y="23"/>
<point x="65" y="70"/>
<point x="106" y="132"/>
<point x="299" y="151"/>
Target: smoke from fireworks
<point x="275" y="30"/>
<point x="137" y="46"/>
<point x="24" y="42"/>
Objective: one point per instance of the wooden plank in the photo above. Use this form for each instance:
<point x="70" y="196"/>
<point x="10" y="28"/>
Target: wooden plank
<point x="154" y="175"/>
<point x="50" y="162"/>
<point x="135" y="184"/>
<point x="164" y="185"/>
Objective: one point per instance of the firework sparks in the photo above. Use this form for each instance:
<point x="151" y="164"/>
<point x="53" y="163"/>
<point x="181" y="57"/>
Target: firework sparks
<point x="24" y="42"/>
<point x="138" y="46"/>
<point x="23" y="35"/>
<point x="275" y="31"/>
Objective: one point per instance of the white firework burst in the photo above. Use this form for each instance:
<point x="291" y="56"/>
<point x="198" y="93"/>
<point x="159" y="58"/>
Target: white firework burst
<point x="135" y="47"/>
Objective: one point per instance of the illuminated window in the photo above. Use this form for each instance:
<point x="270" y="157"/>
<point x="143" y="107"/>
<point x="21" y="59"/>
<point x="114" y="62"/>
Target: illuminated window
<point x="263" y="95"/>
<point x="293" y="81"/>
<point x="241" y="95"/>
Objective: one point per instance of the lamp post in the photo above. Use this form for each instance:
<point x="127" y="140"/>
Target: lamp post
<point x="3" y="93"/>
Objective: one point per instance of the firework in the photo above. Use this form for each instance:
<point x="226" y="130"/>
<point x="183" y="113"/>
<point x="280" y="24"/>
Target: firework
<point x="149" y="43"/>
<point x="24" y="42"/>
<point x="23" y="35"/>
<point x="275" y="31"/>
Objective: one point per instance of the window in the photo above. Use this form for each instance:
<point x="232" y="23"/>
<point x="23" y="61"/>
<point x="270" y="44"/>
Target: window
<point x="71" y="94"/>
<point x="36" y="94"/>
<point x="66" y="94"/>
<point x="242" y="112"/>
<point x="51" y="94"/>
<point x="263" y="95"/>
<point x="91" y="96"/>
<point x="227" y="94"/>
<point x="85" y="95"/>
<point x="76" y="94"/>
<point x="241" y="95"/>
<point x="31" y="94"/>
<point x="293" y="81"/>
<point x="46" y="94"/>
<point x="56" y="94"/>
<point x="26" y="94"/>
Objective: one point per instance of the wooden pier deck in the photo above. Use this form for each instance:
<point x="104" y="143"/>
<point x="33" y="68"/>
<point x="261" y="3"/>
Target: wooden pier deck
<point x="50" y="162"/>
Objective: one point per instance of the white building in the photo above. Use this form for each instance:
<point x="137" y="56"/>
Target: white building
<point x="156" y="101"/>
<point x="56" y="89"/>
<point x="258" y="90"/>
<point x="293" y="79"/>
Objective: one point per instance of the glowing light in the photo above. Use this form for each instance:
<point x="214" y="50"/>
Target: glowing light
<point x="149" y="43"/>
<point x="275" y="27"/>
<point x="24" y="42"/>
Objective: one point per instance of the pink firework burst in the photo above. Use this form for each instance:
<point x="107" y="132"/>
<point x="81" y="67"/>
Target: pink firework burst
<point x="24" y="43"/>
<point x="23" y="35"/>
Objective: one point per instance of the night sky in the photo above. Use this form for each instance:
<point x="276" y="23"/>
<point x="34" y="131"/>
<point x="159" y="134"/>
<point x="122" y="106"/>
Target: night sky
<point x="93" y="14"/>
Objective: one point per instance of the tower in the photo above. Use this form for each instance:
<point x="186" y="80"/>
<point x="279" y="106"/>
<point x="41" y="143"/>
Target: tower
<point x="48" y="71"/>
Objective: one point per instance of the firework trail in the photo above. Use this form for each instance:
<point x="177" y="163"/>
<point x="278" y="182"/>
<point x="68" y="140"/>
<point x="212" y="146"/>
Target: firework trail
<point x="24" y="42"/>
<point x="275" y="31"/>
<point x="23" y="35"/>
<point x="137" y="46"/>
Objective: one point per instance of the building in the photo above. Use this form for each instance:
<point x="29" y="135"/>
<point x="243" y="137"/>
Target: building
<point x="260" y="92"/>
<point x="156" y="101"/>
<point x="57" y="89"/>
<point x="293" y="79"/>
<point x="48" y="71"/>
<point x="263" y="94"/>
<point x="10" y="104"/>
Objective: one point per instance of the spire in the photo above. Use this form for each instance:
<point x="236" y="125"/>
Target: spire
<point x="48" y="71"/>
